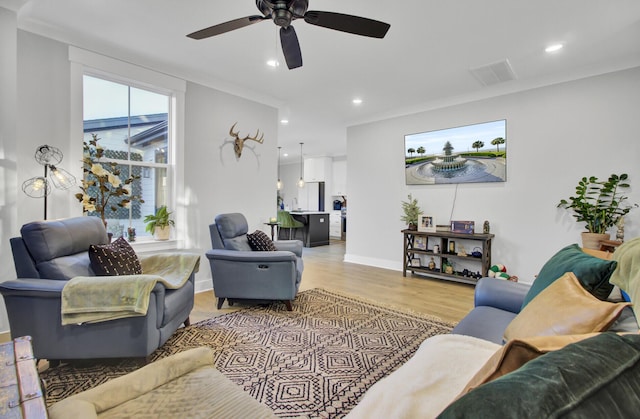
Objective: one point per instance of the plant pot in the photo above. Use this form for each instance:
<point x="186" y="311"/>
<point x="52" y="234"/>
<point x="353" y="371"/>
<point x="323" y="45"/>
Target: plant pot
<point x="592" y="240"/>
<point x="162" y="233"/>
<point x="412" y="227"/>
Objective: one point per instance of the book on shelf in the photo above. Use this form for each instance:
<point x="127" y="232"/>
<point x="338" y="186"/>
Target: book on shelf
<point x="466" y="227"/>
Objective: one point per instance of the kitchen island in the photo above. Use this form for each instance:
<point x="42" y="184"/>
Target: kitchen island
<point x="316" y="227"/>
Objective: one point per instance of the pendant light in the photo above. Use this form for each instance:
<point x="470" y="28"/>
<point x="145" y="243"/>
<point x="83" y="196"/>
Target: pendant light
<point x="301" y="180"/>
<point x="279" y="184"/>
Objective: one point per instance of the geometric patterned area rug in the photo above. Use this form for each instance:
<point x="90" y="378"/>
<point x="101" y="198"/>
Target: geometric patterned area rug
<point x="316" y="361"/>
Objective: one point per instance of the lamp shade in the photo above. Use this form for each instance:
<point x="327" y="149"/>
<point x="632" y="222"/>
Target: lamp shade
<point x="61" y="178"/>
<point x="279" y="183"/>
<point x="39" y="186"/>
<point x="36" y="187"/>
<point x="301" y="180"/>
<point x="48" y="155"/>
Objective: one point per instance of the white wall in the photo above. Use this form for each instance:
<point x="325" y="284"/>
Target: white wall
<point x="555" y="136"/>
<point x="215" y="181"/>
<point x="43" y="117"/>
<point x="8" y="143"/>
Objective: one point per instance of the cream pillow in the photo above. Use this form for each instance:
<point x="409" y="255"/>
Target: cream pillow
<point x="563" y="308"/>
<point x="627" y="274"/>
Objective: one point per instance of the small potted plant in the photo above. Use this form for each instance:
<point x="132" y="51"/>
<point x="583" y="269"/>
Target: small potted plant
<point x="411" y="213"/>
<point x="599" y="204"/>
<point x="159" y="224"/>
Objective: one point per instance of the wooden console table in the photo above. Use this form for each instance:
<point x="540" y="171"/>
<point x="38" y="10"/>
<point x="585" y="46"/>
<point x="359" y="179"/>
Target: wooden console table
<point x="21" y="394"/>
<point x="419" y="248"/>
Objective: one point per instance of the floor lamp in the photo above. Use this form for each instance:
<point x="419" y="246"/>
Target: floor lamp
<point x="39" y="186"/>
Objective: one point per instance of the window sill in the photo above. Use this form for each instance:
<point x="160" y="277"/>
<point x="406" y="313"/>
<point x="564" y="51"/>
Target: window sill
<point x="150" y="245"/>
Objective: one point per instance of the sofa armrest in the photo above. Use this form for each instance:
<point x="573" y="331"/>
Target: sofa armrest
<point x="294" y="246"/>
<point x="498" y="293"/>
<point x="33" y="287"/>
<point x="134" y="384"/>
<point x="250" y="256"/>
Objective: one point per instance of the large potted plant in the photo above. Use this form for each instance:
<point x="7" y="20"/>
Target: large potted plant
<point x="411" y="212"/>
<point x="102" y="188"/>
<point x="599" y="204"/>
<point x="159" y="224"/>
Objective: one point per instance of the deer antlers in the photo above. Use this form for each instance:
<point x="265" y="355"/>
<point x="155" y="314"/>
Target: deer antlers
<point x="238" y="143"/>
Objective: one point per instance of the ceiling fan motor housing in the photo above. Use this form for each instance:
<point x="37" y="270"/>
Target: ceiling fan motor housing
<point x="283" y="11"/>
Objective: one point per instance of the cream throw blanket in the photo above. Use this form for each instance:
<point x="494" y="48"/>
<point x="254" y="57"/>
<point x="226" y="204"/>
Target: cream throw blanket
<point x="92" y="299"/>
<point x="425" y="385"/>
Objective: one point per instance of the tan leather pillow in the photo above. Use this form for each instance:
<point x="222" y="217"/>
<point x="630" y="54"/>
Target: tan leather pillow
<point x="563" y="308"/>
<point x="598" y="253"/>
<point x="516" y="353"/>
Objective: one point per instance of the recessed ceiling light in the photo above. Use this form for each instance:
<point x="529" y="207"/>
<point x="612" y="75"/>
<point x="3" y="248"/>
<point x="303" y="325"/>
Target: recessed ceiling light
<point x="284" y="121"/>
<point x="553" y="48"/>
<point x="273" y="63"/>
<point x="357" y="101"/>
<point x="286" y="154"/>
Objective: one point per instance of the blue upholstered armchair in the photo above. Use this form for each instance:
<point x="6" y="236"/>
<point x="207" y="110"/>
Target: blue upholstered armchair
<point x="239" y="273"/>
<point x="46" y="256"/>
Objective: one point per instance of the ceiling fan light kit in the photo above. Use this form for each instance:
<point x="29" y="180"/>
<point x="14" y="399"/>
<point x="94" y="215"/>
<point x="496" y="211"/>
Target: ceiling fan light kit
<point x="284" y="12"/>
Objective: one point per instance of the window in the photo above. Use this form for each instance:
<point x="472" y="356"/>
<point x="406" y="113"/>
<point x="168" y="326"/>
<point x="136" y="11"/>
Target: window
<point x="132" y="125"/>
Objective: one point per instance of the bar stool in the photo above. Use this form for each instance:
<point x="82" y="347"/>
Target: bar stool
<point x="285" y="220"/>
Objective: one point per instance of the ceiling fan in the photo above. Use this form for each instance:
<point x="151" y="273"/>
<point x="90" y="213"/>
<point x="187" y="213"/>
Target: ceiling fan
<point x="283" y="12"/>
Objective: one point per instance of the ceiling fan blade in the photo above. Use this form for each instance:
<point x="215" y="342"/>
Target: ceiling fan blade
<point x="290" y="47"/>
<point x="227" y="26"/>
<point x="347" y="23"/>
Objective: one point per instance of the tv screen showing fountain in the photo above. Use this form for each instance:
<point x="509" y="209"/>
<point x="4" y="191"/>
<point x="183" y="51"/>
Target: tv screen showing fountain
<point x="467" y="154"/>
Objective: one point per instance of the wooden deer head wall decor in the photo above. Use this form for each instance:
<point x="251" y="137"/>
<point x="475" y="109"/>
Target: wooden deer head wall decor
<point x="238" y="143"/>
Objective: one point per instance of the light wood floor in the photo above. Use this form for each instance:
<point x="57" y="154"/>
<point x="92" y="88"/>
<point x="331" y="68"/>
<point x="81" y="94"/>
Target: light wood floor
<point x="324" y="268"/>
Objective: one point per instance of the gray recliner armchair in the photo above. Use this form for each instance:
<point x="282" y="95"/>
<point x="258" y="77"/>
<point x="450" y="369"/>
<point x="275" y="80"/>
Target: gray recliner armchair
<point x="46" y="256"/>
<point x="241" y="274"/>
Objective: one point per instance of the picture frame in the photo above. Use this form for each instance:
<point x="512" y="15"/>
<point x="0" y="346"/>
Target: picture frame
<point x="415" y="262"/>
<point x="420" y="243"/>
<point x="427" y="224"/>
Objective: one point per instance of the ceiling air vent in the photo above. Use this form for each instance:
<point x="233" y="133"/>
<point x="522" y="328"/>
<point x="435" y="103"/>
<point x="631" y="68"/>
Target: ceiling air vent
<point x="497" y="72"/>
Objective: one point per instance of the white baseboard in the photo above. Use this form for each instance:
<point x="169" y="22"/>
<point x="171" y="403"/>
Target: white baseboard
<point x="393" y="265"/>
<point x="203" y="285"/>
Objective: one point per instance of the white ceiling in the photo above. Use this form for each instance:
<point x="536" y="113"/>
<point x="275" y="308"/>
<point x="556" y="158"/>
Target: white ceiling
<point x="423" y="62"/>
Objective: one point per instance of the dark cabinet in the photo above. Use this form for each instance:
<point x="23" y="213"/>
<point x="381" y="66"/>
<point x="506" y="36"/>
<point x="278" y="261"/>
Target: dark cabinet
<point x="316" y="227"/>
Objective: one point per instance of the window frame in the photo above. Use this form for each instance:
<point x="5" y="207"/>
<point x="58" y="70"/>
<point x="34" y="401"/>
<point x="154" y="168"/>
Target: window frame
<point x="95" y="65"/>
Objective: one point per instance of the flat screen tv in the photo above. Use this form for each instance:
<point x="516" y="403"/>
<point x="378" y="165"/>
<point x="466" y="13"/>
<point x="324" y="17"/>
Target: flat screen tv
<point x="467" y="154"/>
